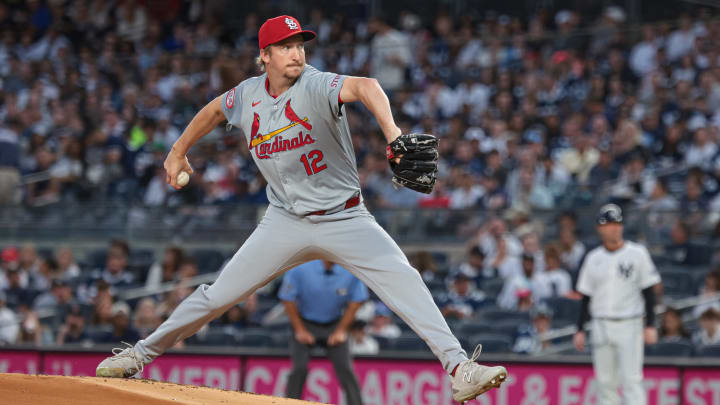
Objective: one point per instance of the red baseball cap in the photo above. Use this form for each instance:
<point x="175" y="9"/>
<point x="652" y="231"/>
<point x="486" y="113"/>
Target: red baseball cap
<point x="278" y="28"/>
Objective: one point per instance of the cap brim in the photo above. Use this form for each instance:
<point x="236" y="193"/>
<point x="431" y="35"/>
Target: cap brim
<point x="307" y="35"/>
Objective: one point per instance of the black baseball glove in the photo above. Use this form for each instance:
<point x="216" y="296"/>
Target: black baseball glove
<point x="418" y="161"/>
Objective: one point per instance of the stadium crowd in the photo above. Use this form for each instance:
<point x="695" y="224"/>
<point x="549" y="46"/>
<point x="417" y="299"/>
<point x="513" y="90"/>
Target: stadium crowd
<point x="542" y="114"/>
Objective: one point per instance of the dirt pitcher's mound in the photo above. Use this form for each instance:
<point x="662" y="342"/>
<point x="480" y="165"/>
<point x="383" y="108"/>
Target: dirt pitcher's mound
<point x="22" y="389"/>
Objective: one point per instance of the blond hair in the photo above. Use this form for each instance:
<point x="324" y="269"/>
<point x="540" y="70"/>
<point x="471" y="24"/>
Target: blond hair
<point x="258" y="60"/>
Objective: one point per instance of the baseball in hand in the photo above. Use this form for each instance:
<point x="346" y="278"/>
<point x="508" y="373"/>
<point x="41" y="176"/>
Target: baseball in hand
<point x="182" y="179"/>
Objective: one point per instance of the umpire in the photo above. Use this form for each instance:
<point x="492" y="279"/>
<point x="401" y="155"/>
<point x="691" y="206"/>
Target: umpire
<point x="616" y="281"/>
<point x="315" y="294"/>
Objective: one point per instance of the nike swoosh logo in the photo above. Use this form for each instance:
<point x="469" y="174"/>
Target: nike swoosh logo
<point x="255" y="103"/>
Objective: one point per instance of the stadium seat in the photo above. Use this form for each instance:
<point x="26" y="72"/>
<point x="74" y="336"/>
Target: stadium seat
<point x="670" y="349"/>
<point x="677" y="283"/>
<point x="491" y="342"/>
<point x="208" y="260"/>
<point x="408" y="343"/>
<point x="497" y="314"/>
<point x="564" y="309"/>
<point x="709" y="351"/>
<point x="492" y="287"/>
<point x="255" y="339"/>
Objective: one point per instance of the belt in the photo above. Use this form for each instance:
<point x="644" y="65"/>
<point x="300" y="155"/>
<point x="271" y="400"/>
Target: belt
<point x="352" y="202"/>
<point x="323" y="324"/>
<point x="605" y="318"/>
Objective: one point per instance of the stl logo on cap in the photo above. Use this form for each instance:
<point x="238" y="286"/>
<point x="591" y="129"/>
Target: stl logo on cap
<point x="291" y="23"/>
<point x="281" y="27"/>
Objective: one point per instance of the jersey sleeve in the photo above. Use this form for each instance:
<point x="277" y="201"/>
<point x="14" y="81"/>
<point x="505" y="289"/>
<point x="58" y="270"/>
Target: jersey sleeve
<point x="324" y="88"/>
<point x="649" y="275"/>
<point x="232" y="104"/>
<point x="584" y="283"/>
<point x="358" y="291"/>
<point x="289" y="290"/>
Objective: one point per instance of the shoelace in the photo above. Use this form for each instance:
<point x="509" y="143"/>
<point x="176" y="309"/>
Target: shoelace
<point x="475" y="356"/>
<point x="129" y="352"/>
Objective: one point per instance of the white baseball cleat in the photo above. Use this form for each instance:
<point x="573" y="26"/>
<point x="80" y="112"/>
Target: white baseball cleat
<point x="472" y="379"/>
<point x="123" y="364"/>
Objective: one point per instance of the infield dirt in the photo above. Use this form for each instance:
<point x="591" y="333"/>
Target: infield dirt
<point x="23" y="389"/>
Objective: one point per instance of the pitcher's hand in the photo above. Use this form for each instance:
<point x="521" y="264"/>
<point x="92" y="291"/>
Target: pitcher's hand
<point x="174" y="164"/>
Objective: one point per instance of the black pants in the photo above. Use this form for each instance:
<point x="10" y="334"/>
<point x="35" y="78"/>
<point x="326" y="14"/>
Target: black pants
<point x="339" y="355"/>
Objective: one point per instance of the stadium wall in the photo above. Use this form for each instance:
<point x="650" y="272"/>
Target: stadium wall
<point x="392" y="378"/>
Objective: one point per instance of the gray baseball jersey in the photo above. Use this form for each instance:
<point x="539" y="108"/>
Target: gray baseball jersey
<point x="299" y="140"/>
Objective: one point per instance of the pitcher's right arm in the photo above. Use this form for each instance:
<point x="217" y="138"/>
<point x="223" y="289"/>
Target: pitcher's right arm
<point x="204" y="121"/>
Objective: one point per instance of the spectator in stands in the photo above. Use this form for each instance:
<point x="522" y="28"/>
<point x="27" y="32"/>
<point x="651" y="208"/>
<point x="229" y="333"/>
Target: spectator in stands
<point x="68" y="269"/>
<point x="709" y="333"/>
<point x="423" y="261"/>
<point x="146" y="319"/>
<point x="16" y="294"/>
<point x="31" y="330"/>
<point x="635" y="183"/>
<point x="528" y="340"/>
<point x="528" y="281"/>
<point x="102" y="307"/>
<point x="10" y="160"/>
<point x="571" y="250"/>
<point x="672" y="328"/>
<point x="558" y="278"/>
<point x="47" y="271"/>
<point x="188" y="269"/>
<point x="474" y="266"/>
<point x="73" y="329"/>
<point x="10" y="262"/>
<point x="29" y="263"/>
<point x="382" y="324"/>
<point x="463" y="299"/>
<point x="682" y="250"/>
<point x="391" y="54"/>
<point x="237" y="316"/>
<point x="360" y="341"/>
<point x="531" y="246"/>
<point x="502" y="249"/>
<point x="59" y="299"/>
<point x="165" y="271"/>
<point x="115" y="273"/>
<point x="710" y="288"/>
<point x="173" y="299"/>
<point x="9" y="328"/>
<point x="122" y="330"/>
<point x="606" y="169"/>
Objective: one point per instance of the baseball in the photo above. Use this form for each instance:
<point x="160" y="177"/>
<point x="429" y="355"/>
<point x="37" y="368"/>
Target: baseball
<point x="182" y="179"/>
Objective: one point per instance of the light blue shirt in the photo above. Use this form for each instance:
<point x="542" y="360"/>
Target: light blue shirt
<point x="319" y="296"/>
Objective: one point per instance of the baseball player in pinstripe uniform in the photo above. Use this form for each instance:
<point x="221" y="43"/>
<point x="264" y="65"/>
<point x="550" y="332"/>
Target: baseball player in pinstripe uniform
<point x="293" y="118"/>
<point x="616" y="281"/>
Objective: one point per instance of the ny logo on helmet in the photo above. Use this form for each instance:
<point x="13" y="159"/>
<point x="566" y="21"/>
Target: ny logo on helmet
<point x="291" y="23"/>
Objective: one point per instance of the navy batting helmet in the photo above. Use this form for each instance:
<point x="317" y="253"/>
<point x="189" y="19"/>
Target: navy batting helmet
<point x="609" y="213"/>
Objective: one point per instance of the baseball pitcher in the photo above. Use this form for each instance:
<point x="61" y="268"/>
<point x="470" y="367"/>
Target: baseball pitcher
<point x="293" y="118"/>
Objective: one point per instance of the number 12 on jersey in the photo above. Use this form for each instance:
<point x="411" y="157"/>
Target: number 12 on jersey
<point x="312" y="167"/>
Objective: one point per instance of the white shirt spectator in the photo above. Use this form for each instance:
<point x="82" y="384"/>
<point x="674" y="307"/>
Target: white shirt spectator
<point x="700" y="155"/>
<point x="465" y="198"/>
<point x="9" y="327"/>
<point x="680" y="43"/>
<point x="559" y="282"/>
<point x="366" y="345"/>
<point x="643" y="58"/>
<point x="387" y="46"/>
<point x="538" y="285"/>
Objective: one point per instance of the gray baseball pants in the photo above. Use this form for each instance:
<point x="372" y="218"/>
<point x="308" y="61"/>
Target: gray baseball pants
<point x="282" y="241"/>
